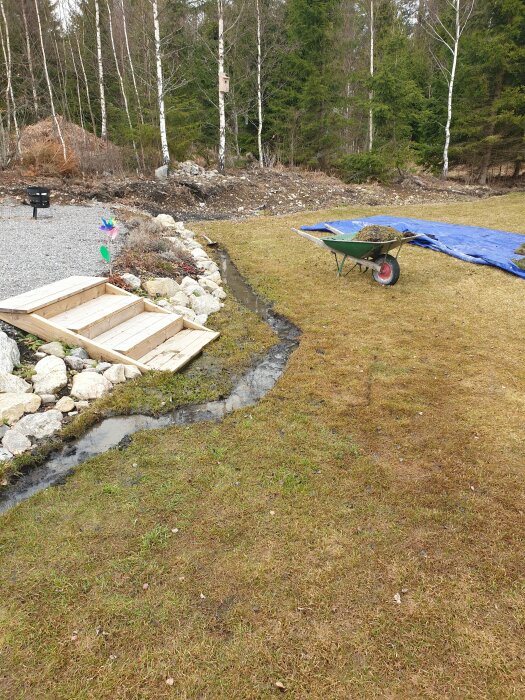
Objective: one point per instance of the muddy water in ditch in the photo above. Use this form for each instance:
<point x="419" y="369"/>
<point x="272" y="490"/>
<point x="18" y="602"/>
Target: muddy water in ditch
<point x="110" y="432"/>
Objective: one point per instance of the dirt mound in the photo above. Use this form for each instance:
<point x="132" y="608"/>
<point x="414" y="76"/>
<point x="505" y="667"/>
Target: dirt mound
<point x="378" y="234"/>
<point x="42" y="152"/>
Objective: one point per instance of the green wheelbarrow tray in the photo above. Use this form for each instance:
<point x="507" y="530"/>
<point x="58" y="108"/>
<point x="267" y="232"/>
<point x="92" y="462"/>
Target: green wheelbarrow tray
<point x="373" y="255"/>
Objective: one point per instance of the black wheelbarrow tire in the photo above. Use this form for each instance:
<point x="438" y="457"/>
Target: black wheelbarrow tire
<point x="389" y="272"/>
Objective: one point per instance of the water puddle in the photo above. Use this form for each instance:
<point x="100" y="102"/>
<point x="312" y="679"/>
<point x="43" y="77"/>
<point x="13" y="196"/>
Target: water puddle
<point x="111" y="432"/>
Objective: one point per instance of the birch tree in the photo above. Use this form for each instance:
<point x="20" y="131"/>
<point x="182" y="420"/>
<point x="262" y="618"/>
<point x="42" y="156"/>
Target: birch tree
<point x="371" y="92"/>
<point x="121" y="82"/>
<point x="30" y="59"/>
<point x="103" y="114"/>
<point x="222" y="113"/>
<point x="131" y="66"/>
<point x="160" y="86"/>
<point x="86" y="84"/>
<point x="48" y="82"/>
<point x="448" y="34"/>
<point x="259" y="86"/>
<point x="6" y="49"/>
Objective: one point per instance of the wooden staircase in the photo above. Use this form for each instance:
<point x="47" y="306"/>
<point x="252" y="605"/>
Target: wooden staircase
<point x="108" y="322"/>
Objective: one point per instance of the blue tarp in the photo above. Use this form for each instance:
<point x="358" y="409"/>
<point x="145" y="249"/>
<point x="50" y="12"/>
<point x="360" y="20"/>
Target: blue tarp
<point x="483" y="246"/>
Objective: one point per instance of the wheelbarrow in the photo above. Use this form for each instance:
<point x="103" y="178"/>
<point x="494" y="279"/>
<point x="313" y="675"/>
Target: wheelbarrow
<point x="367" y="255"/>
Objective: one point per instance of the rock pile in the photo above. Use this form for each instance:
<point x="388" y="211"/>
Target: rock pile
<point x="63" y="383"/>
<point x="34" y="410"/>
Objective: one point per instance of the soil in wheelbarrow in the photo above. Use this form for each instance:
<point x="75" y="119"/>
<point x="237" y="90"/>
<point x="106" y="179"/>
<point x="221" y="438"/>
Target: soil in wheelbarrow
<point x="378" y="234"/>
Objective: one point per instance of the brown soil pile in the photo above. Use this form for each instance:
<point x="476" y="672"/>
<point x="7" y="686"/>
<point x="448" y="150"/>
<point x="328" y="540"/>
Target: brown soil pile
<point x="42" y="152"/>
<point x="520" y="250"/>
<point x="519" y="262"/>
<point x="379" y="233"/>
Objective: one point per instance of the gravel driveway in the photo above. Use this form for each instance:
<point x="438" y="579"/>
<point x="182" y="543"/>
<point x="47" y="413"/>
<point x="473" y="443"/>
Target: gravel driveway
<point x="63" y="241"/>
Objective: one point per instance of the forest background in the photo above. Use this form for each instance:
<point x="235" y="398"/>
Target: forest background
<point x="362" y="88"/>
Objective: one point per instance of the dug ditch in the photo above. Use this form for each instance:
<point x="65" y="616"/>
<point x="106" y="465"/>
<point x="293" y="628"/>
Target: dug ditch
<point x="114" y="431"/>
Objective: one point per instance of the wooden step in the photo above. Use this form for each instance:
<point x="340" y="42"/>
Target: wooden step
<point x="48" y="294"/>
<point x="110" y="323"/>
<point x="140" y="334"/>
<point x="178" y="350"/>
<point x="99" y="315"/>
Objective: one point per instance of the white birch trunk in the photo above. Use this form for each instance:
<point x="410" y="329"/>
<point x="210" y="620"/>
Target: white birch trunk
<point x="103" y="114"/>
<point x="121" y="82"/>
<point x="371" y="93"/>
<point x="451" y="89"/>
<point x="132" y="68"/>
<point x="77" y="83"/>
<point x="259" y="87"/>
<point x="7" y="57"/>
<point x="30" y="59"/>
<point x="48" y="81"/>
<point x="222" y="113"/>
<point x="160" y="87"/>
<point x="84" y="75"/>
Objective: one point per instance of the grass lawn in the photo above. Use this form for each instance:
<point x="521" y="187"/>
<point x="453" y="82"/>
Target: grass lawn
<point x="357" y="534"/>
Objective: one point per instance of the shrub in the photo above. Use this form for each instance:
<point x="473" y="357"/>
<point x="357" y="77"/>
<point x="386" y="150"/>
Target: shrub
<point x="359" y="167"/>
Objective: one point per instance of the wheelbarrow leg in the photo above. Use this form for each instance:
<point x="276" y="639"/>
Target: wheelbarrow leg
<point x="339" y="265"/>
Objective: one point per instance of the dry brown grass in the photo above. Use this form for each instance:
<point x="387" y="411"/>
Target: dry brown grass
<point x="388" y="460"/>
<point x="42" y="152"/>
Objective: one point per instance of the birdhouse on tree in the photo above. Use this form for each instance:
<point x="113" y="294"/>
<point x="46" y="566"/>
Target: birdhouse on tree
<point x="224" y="83"/>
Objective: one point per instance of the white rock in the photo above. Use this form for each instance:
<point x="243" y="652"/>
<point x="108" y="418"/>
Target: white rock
<point x="55" y="348"/>
<point x="90" y="385"/>
<point x="115" y="374"/>
<point x="201" y="318"/>
<point x="210" y="266"/>
<point x="190" y="245"/>
<point x="161" y="287"/>
<point x="47" y="399"/>
<point x="13" y="384"/>
<point x="161" y="173"/>
<point x="9" y="353"/>
<point x="80" y="405"/>
<point x="132" y="372"/>
<point x="5" y="454"/>
<point x="73" y="362"/>
<point x="180" y="299"/>
<point x="198" y="254"/>
<point x="3" y="430"/>
<point x="219" y="294"/>
<point x="132" y="281"/>
<point x="191" y="287"/>
<point x="79" y="352"/>
<point x="208" y="284"/>
<point x="15" y="442"/>
<point x="165" y="220"/>
<point x="39" y="425"/>
<point x="90" y="363"/>
<point x="13" y="406"/>
<point x="101" y="368"/>
<point x="184" y="312"/>
<point x="205" y="304"/>
<point x="51" y="375"/>
<point x="214" y="277"/>
<point x="163" y="303"/>
<point x="65" y="404"/>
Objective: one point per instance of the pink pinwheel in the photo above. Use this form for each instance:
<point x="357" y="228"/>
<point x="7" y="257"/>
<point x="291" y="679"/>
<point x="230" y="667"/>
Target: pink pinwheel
<point x="109" y="226"/>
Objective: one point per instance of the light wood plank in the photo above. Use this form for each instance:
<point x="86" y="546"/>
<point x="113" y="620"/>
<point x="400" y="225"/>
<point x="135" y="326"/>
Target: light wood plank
<point x="43" y="296"/>
<point x="169" y="357"/>
<point x="46" y="329"/>
<point x="100" y="315"/>
<point x="141" y="334"/>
